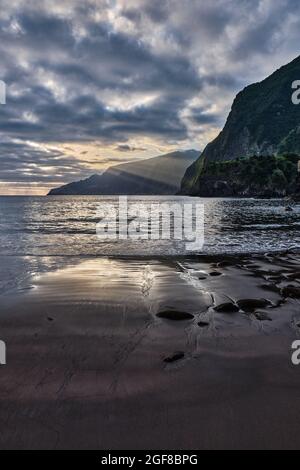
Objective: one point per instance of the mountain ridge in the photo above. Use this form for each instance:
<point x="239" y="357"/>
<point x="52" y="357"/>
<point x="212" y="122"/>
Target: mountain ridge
<point x="159" y="175"/>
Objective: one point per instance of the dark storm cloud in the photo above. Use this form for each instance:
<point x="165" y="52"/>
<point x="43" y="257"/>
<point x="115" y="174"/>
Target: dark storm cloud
<point x="104" y="61"/>
<point x="110" y="71"/>
<point x="128" y="148"/>
<point x="21" y="162"/>
<point x="158" y="11"/>
<point x="200" y="116"/>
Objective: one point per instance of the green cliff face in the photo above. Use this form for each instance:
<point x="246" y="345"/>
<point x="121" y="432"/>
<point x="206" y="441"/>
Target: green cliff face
<point x="264" y="176"/>
<point x="263" y="121"/>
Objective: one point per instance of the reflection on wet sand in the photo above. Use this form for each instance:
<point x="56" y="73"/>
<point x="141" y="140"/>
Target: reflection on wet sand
<point x="125" y="354"/>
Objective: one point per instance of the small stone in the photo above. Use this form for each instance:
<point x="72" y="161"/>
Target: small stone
<point x="175" y="315"/>
<point x="291" y="291"/>
<point x="261" y="316"/>
<point x="203" y="324"/>
<point x="295" y="276"/>
<point x="249" y="305"/>
<point x="270" y="287"/>
<point x="224" y="264"/>
<point x="226" y="308"/>
<point x="177" y="356"/>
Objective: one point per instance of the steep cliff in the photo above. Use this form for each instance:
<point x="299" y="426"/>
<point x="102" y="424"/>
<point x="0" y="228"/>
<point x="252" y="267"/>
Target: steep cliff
<point x="263" y="121"/>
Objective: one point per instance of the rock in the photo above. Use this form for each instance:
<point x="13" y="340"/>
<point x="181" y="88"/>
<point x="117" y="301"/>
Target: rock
<point x="250" y="305"/>
<point x="177" y="356"/>
<point x="175" y="315"/>
<point x="226" y="308"/>
<point x="203" y="324"/>
<point x="291" y="291"/>
<point x="224" y="264"/>
<point x="270" y="287"/>
<point x="295" y="276"/>
<point x="252" y="266"/>
<point x="50" y="319"/>
<point x="273" y="278"/>
<point x="261" y="316"/>
<point x="215" y="274"/>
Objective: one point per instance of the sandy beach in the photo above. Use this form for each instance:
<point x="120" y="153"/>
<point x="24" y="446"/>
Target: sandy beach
<point x="153" y="354"/>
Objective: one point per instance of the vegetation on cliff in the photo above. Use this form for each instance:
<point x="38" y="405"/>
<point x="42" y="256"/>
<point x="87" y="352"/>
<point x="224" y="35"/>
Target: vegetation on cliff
<point x="258" y="176"/>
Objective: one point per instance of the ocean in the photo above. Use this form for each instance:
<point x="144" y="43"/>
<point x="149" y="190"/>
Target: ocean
<point x="41" y="233"/>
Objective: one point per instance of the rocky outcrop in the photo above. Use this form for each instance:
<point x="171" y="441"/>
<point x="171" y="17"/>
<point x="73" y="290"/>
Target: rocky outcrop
<point x="265" y="177"/>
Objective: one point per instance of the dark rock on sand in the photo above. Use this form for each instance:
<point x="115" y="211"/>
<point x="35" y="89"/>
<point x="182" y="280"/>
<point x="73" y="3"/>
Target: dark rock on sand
<point x="273" y="278"/>
<point x="203" y="324"/>
<point x="252" y="266"/>
<point x="175" y="315"/>
<point x="177" y="356"/>
<point x="270" y="287"/>
<point x="262" y="316"/>
<point x="226" y="308"/>
<point x="249" y="305"/>
<point x="291" y="291"/>
<point x="202" y="277"/>
<point x="224" y="264"/>
<point x="215" y="274"/>
<point x="295" y="276"/>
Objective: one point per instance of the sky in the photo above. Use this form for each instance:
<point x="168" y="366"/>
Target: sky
<point x="94" y="83"/>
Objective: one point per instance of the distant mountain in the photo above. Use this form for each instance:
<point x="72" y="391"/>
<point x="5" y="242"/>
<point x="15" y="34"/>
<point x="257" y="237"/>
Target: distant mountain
<point x="263" y="121"/>
<point x="156" y="176"/>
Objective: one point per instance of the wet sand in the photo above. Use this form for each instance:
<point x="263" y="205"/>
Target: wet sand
<point x="153" y="354"/>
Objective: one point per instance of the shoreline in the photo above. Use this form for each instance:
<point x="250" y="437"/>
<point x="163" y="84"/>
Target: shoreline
<point x="25" y="272"/>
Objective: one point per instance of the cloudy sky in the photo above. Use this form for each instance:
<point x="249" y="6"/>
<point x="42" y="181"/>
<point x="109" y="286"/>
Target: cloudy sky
<point x="91" y="83"/>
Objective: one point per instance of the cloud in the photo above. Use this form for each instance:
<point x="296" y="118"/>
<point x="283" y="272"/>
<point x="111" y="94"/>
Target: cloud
<point x="33" y="163"/>
<point x="128" y="148"/>
<point x="113" y="73"/>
